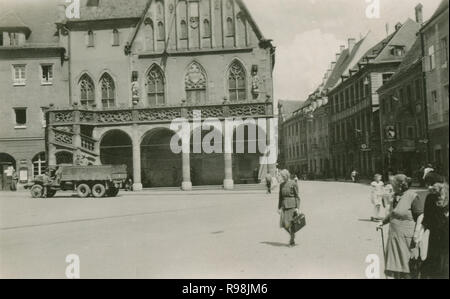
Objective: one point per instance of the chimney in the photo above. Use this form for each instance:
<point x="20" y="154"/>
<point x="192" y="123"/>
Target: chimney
<point x="398" y="26"/>
<point x="351" y="44"/>
<point x="342" y="48"/>
<point x="419" y="13"/>
<point x="337" y="56"/>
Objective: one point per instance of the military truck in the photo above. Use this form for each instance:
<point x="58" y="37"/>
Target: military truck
<point x="96" y="181"/>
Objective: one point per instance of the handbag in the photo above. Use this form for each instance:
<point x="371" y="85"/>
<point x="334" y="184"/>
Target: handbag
<point x="298" y="222"/>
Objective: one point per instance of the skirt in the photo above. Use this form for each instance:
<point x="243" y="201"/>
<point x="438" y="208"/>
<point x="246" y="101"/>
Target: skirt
<point x="286" y="218"/>
<point x="398" y="247"/>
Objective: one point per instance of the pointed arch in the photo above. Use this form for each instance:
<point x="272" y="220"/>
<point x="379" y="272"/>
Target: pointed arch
<point x="183" y="30"/>
<point x="237" y="81"/>
<point x="87" y="90"/>
<point x="155" y="83"/>
<point x="206" y="28"/>
<point x="108" y="91"/>
<point x="195" y="82"/>
<point x="115" y="37"/>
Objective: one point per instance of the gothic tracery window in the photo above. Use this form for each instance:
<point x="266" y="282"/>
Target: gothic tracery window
<point x="108" y="91"/>
<point x="195" y="84"/>
<point x="155" y="86"/>
<point x="87" y="91"/>
<point x="237" y="82"/>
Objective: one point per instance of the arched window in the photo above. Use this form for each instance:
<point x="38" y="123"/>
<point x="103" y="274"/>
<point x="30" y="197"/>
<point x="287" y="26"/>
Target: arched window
<point x="87" y="91"/>
<point x="90" y="38"/>
<point x="108" y="91"/>
<point x="161" y="32"/>
<point x="230" y="27"/>
<point x="183" y="30"/>
<point x="206" y="28"/>
<point x="39" y="164"/>
<point x="237" y="82"/>
<point x="115" y="38"/>
<point x="195" y="84"/>
<point x="155" y="86"/>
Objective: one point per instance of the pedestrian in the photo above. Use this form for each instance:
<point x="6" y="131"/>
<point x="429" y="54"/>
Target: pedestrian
<point x="354" y="176"/>
<point x="405" y="210"/>
<point x="376" y="197"/>
<point x="435" y="220"/>
<point x="269" y="183"/>
<point x="288" y="204"/>
<point x="427" y="170"/>
<point x="294" y="178"/>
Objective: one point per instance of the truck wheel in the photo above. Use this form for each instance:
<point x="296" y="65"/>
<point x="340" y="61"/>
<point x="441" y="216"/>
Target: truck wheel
<point x="51" y="193"/>
<point x="112" y="192"/>
<point x="37" y="191"/>
<point x="83" y="190"/>
<point x="98" y="190"/>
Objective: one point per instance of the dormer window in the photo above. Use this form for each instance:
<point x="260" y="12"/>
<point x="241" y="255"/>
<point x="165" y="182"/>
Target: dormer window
<point x="398" y="51"/>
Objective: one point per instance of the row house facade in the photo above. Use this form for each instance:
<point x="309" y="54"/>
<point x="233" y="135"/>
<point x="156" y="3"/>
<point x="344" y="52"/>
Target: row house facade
<point x="403" y="118"/>
<point x="354" y="104"/>
<point x="133" y="67"/>
<point x="434" y="36"/>
<point x="306" y="147"/>
<point x="33" y="74"/>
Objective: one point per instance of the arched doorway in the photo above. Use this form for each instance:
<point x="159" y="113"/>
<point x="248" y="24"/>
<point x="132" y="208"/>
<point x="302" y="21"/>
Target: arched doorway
<point x="116" y="148"/>
<point x="247" y="154"/>
<point x="64" y="157"/>
<point x="207" y="169"/>
<point x="7" y="168"/>
<point x="160" y="167"/>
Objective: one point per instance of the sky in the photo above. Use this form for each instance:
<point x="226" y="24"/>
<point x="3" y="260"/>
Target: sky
<point x="308" y="33"/>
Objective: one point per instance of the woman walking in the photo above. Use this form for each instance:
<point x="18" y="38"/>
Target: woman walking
<point x="288" y="204"/>
<point x="405" y="210"/>
<point x="376" y="197"/>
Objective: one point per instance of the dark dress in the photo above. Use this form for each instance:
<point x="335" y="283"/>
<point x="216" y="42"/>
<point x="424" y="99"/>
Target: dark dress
<point x="288" y="202"/>
<point x="435" y="220"/>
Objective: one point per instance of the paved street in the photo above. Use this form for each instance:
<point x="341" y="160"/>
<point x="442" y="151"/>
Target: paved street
<point x="188" y="235"/>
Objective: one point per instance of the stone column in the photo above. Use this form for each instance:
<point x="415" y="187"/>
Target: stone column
<point x="228" y="183"/>
<point x="51" y="155"/>
<point x="186" y="185"/>
<point x="137" y="181"/>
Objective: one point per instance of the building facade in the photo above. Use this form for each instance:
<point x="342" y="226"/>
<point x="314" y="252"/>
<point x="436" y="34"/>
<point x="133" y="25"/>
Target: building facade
<point x="354" y="120"/>
<point x="149" y="63"/>
<point x="434" y="35"/>
<point x="33" y="74"/>
<point x="404" y="140"/>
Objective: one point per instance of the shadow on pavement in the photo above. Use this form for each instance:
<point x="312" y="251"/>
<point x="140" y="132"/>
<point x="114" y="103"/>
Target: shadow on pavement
<point x="275" y="244"/>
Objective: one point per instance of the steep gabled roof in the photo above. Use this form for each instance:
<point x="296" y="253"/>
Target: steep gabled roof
<point x="404" y="36"/>
<point x="411" y="60"/>
<point x="443" y="6"/>
<point x="11" y="20"/>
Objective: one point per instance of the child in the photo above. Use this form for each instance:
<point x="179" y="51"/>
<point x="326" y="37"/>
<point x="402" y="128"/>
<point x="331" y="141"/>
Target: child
<point x="376" y="196"/>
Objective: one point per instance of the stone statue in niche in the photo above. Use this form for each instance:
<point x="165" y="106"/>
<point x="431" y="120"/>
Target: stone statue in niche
<point x="135" y="88"/>
<point x="255" y="82"/>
